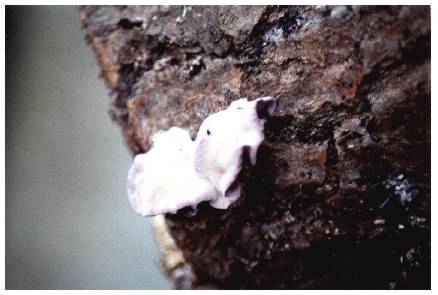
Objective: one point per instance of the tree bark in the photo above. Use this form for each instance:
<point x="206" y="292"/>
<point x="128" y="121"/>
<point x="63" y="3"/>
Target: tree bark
<point x="340" y="196"/>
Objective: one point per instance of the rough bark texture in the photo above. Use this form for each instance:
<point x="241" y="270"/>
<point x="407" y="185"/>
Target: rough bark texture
<point x="340" y="197"/>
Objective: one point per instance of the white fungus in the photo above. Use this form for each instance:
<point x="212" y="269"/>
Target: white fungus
<point x="178" y="172"/>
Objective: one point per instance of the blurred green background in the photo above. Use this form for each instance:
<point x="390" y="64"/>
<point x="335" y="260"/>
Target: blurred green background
<point x="68" y="221"/>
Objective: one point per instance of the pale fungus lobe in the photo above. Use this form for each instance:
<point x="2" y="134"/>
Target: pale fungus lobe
<point x="178" y="172"/>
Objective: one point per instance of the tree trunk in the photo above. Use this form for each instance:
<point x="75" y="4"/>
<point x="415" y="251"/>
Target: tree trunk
<point x="340" y="196"/>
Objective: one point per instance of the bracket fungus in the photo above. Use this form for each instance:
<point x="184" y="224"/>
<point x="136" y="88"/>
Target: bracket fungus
<point x="178" y="172"/>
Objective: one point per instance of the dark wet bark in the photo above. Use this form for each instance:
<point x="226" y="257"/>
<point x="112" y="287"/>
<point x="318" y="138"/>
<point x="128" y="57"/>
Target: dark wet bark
<point x="340" y="197"/>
